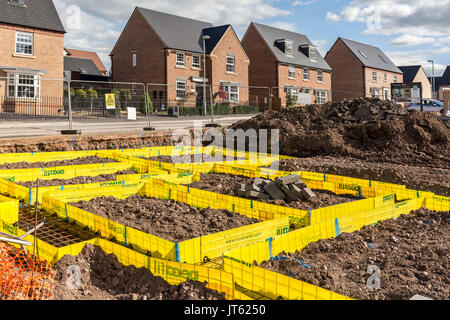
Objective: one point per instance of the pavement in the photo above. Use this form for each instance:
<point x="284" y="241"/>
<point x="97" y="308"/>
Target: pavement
<point x="15" y="128"/>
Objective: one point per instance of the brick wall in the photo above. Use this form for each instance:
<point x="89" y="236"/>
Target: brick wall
<point x="48" y="49"/>
<point x="380" y="83"/>
<point x="230" y="44"/>
<point x="347" y="79"/>
<point x="263" y="68"/>
<point x="298" y="81"/>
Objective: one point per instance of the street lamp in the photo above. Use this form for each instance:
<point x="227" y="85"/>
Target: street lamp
<point x="433" y="80"/>
<point x="204" y="71"/>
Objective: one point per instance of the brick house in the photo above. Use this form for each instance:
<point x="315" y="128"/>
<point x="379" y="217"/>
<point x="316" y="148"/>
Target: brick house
<point x="442" y="84"/>
<point x="361" y="70"/>
<point x="91" y="55"/>
<point x="31" y="51"/>
<point x="417" y="74"/>
<point x="167" y="50"/>
<point x="289" y="63"/>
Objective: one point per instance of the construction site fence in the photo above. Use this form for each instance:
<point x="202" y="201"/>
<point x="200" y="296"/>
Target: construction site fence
<point x="190" y="251"/>
<point x="172" y="272"/>
<point x="269" y="284"/>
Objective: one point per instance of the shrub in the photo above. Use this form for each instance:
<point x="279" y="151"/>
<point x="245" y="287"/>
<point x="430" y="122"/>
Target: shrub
<point x="143" y="106"/>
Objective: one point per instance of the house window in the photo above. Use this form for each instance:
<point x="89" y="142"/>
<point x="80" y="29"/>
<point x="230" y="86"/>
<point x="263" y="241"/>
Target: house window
<point x="319" y="76"/>
<point x="134" y="59"/>
<point x="230" y="64"/>
<point x="375" y="92"/>
<point x="305" y="74"/>
<point x="374" y="76"/>
<point x="385" y="77"/>
<point x="181" y="90"/>
<point x="181" y="59"/>
<point x="291" y="72"/>
<point x="24" y="43"/>
<point x="23" y="86"/>
<point x="395" y="79"/>
<point x="196" y="62"/>
<point x="291" y="92"/>
<point x="232" y="93"/>
<point x="133" y="88"/>
<point x="321" y="97"/>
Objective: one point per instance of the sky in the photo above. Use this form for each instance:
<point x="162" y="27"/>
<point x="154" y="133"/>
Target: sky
<point x="408" y="31"/>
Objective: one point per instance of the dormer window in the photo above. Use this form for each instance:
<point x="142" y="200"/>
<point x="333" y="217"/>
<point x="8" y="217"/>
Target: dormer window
<point x="309" y="50"/>
<point x="17" y="2"/>
<point x="287" y="46"/>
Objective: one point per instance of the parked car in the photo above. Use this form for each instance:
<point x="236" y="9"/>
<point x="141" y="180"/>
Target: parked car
<point x="429" y="105"/>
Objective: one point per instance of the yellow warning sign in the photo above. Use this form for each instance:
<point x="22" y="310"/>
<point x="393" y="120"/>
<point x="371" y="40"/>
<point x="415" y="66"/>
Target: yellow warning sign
<point x="110" y="101"/>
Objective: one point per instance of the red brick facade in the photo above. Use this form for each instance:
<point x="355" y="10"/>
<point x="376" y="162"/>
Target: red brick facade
<point x="158" y="65"/>
<point x="351" y="79"/>
<point x="266" y="71"/>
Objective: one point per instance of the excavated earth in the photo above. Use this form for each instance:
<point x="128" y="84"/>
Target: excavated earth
<point x="225" y="184"/>
<point x="103" y="277"/>
<point x="412" y="253"/>
<point x="58" y="163"/>
<point x="416" y="177"/>
<point x="76" y="180"/>
<point x="170" y="220"/>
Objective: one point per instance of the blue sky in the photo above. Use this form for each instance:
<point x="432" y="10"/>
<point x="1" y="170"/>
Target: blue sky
<point x="408" y="31"/>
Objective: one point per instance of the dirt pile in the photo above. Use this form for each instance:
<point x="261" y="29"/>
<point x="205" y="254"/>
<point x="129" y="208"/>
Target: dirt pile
<point x="367" y="129"/>
<point x="416" y="177"/>
<point x="76" y="180"/>
<point x="57" y="163"/>
<point x="103" y="277"/>
<point x="170" y="220"/>
<point x="225" y="184"/>
<point x="412" y="253"/>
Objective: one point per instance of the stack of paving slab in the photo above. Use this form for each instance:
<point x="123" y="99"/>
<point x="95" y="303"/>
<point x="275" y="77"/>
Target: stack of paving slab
<point x="290" y="188"/>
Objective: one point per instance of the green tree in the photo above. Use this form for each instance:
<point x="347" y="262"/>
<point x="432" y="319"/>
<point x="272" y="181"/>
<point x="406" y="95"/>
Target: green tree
<point x="290" y="101"/>
<point x="80" y="93"/>
<point x="143" y="106"/>
<point x="93" y="95"/>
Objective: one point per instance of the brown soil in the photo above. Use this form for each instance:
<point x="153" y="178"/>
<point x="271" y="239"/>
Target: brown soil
<point x="349" y="129"/>
<point x="84" y="142"/>
<point x="58" y="163"/>
<point x="416" y="177"/>
<point x="103" y="277"/>
<point x="76" y="180"/>
<point x="412" y="253"/>
<point x="170" y="220"/>
<point x="192" y="159"/>
<point x="225" y="184"/>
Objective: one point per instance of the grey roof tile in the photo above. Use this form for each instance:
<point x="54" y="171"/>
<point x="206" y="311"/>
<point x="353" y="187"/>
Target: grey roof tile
<point x="74" y="64"/>
<point x="409" y="73"/>
<point x="371" y="56"/>
<point x="271" y="35"/>
<point x="39" y="14"/>
<point x="176" y="32"/>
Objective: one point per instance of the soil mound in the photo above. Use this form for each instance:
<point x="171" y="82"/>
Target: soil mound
<point x="103" y="277"/>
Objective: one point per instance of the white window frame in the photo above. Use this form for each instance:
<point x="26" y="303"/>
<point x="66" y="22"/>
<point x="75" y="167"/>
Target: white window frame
<point x="374" y="76"/>
<point x="181" y="90"/>
<point x="319" y="76"/>
<point x="231" y="66"/>
<point x="386" y="94"/>
<point x="395" y="79"/>
<point x="306" y="75"/>
<point x="375" y="92"/>
<point x="134" y="60"/>
<point x="231" y="96"/>
<point x="321" y="96"/>
<point x="291" y="72"/>
<point x="293" y="93"/>
<point x="180" y="63"/>
<point x="18" y="33"/>
<point x="196" y="65"/>
<point x="14" y="81"/>
<point x="385" y="77"/>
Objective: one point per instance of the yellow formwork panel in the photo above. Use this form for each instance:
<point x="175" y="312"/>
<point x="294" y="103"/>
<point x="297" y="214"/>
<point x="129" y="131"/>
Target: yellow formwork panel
<point x="66" y="172"/>
<point x="437" y="203"/>
<point x="9" y="210"/>
<point x="33" y="157"/>
<point x="191" y="251"/>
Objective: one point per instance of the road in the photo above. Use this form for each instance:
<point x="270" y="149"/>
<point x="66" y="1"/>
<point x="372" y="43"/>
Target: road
<point x="14" y="128"/>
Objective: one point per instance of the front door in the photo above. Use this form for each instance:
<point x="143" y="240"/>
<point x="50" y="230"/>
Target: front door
<point x="199" y="100"/>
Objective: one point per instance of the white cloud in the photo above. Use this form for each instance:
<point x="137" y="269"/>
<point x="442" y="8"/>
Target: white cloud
<point x="416" y="57"/>
<point x="304" y="3"/>
<point x="333" y="17"/>
<point x="285" y="25"/>
<point x="411" y="40"/>
<point x="322" y="46"/>
<point x="102" y="23"/>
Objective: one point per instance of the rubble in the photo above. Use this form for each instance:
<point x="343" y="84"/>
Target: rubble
<point x="289" y="187"/>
